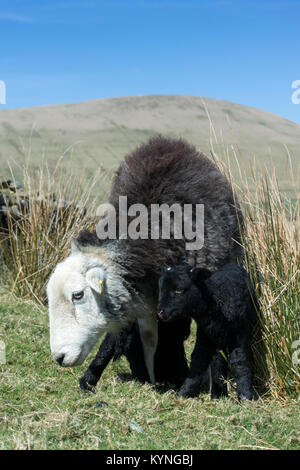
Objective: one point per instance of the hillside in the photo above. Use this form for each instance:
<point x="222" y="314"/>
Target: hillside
<point x="103" y="131"/>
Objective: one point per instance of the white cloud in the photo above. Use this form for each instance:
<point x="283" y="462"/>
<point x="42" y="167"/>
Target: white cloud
<point x="15" y="18"/>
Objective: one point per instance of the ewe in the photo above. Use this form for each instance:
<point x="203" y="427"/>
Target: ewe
<point x="224" y="307"/>
<point x="104" y="285"/>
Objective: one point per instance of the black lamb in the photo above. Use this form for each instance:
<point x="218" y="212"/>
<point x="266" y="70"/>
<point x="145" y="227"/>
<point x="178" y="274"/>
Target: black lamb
<point x="224" y="307"/>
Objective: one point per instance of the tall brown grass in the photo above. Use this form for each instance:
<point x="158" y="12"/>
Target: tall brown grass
<point x="272" y="250"/>
<point x="58" y="206"/>
<point x="272" y="257"/>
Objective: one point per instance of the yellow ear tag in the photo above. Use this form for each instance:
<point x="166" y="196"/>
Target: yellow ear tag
<point x="101" y="286"/>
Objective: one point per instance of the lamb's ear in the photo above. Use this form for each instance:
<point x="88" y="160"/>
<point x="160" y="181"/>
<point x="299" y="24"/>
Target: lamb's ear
<point x="199" y="275"/>
<point x="95" y="278"/>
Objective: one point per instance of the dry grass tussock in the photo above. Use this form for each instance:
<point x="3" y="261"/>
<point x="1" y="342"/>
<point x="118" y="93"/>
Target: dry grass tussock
<point x="51" y="209"/>
<point x="272" y="257"/>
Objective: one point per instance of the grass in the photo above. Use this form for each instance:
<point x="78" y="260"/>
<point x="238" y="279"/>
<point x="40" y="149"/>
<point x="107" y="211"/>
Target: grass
<point x="272" y="248"/>
<point x="271" y="243"/>
<point x="58" y="204"/>
<point x="42" y="407"/>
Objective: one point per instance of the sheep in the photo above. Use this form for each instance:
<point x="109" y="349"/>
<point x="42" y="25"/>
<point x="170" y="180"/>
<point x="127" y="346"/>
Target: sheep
<point x="224" y="307"/>
<point x="170" y="363"/>
<point x="106" y="284"/>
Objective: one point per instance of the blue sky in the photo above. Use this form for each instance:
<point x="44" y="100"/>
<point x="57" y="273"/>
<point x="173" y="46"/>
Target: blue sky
<point x="69" y="51"/>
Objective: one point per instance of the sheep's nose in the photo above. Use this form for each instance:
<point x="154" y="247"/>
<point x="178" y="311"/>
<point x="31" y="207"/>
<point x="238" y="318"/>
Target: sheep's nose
<point x="60" y="359"/>
<point x="160" y="314"/>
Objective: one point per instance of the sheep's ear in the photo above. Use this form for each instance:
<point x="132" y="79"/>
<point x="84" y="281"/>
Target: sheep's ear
<point x="199" y="275"/>
<point x="95" y="278"/>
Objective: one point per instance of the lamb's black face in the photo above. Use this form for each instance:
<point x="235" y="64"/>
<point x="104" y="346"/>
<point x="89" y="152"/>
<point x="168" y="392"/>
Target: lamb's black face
<point x="176" y="293"/>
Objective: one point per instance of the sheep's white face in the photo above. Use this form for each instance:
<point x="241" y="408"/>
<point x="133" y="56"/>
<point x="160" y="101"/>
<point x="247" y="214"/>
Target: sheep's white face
<point x="77" y="310"/>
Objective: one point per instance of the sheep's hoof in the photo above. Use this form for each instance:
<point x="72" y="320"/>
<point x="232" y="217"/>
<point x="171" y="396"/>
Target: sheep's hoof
<point x="87" y="385"/>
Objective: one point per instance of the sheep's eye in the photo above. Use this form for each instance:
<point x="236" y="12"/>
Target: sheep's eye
<point x="77" y="295"/>
<point x="179" y="292"/>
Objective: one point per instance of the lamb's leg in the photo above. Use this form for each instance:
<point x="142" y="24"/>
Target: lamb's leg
<point x="170" y="360"/>
<point x="97" y="366"/>
<point x="241" y="365"/>
<point x="149" y="337"/>
<point x="201" y="358"/>
<point x="219" y="370"/>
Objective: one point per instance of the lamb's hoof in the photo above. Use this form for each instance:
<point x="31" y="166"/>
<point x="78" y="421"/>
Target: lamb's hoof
<point x="183" y="395"/>
<point x="86" y="385"/>
<point x="186" y="393"/>
<point x="249" y="395"/>
<point x="218" y="394"/>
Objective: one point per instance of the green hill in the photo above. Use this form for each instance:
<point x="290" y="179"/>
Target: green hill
<point x="103" y="131"/>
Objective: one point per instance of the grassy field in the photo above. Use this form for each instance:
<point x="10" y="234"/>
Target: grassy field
<point x="42" y="407"/>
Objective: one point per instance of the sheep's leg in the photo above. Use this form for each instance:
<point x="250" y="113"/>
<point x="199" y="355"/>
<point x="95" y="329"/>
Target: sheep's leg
<point x="149" y="337"/>
<point x="219" y="370"/>
<point x="201" y="358"/>
<point x="134" y="353"/>
<point x="97" y="366"/>
<point x="241" y="365"/>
